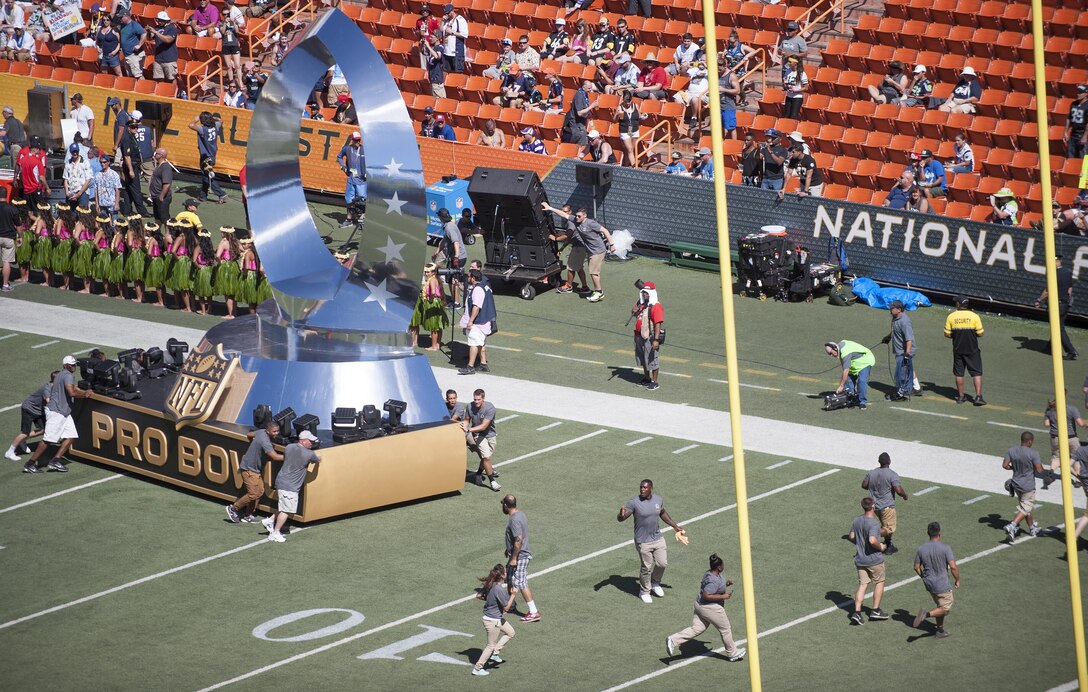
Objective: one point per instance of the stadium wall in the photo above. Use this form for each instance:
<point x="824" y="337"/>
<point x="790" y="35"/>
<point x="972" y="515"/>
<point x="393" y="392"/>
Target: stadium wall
<point x="923" y="251"/>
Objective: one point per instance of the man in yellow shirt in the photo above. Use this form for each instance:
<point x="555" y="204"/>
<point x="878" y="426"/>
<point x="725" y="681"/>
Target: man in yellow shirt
<point x="189" y="213"/>
<point x="965" y="328"/>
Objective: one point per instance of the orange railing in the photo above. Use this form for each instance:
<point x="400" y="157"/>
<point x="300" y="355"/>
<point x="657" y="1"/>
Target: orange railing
<point x="760" y="67"/>
<point x="275" y="23"/>
<point x="647" y="142"/>
<point x="806" y="19"/>
<point x="212" y="72"/>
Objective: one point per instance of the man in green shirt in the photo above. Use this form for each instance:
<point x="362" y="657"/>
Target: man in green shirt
<point x="857" y="363"/>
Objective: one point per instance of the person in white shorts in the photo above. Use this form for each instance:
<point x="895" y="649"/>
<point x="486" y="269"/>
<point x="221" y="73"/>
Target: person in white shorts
<point x="289" y="481"/>
<point x="59" y="426"/>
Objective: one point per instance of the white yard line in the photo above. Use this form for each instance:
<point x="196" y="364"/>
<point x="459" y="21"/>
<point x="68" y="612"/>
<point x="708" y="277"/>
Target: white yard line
<point x="684" y="449"/>
<point x="639" y="441"/>
<point x="726" y="458"/>
<point x="930" y="489"/>
<point x="779" y="464"/>
<point x="1017" y="427"/>
<point x="8" y="336"/>
<point x="512" y="416"/>
<point x="466" y="599"/>
<point x="677" y="665"/>
<point x="504" y="348"/>
<point x="549" y="426"/>
<point x="973" y="500"/>
<point x="1067" y="687"/>
<point x="552" y="448"/>
<point x="9" y="408"/>
<point x="47" y="343"/>
<point x="58" y="494"/>
<point x="576" y="360"/>
<point x="745" y="384"/>
<point x="927" y="413"/>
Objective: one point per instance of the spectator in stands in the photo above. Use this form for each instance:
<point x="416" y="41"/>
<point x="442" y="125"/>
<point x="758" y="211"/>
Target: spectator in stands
<point x="253" y="80"/>
<point x="1073" y="221"/>
<point x="230" y="42"/>
<point x="917" y="201"/>
<point x="553" y="102"/>
<point x="677" y="166"/>
<point x="920" y="89"/>
<point x="694" y="97"/>
<point x="512" y="89"/>
<point x="132" y="46"/>
<point x="77" y="177"/>
<point x="791" y="43"/>
<point x="442" y="129"/>
<point x="313" y="111"/>
<point x="737" y="54"/>
<point x="428" y="124"/>
<point x="601" y="42"/>
<point x="281" y="44"/>
<point x="109" y="46"/>
<point x="557" y="43"/>
<point x="530" y="142"/>
<point x="35" y="23"/>
<point x="796" y="138"/>
<point x="702" y="165"/>
<point x="490" y="136"/>
<point x="932" y="181"/>
<point x="803" y="167"/>
<point x="345" y="111"/>
<point x="1005" y="209"/>
<point x="455" y="31"/>
<point x="965" y="158"/>
<point x="525" y="55"/>
<point x="19" y="46"/>
<point x="774" y="161"/>
<point x="965" y="94"/>
<point x="572" y="6"/>
<point x="751" y="162"/>
<point x="12" y="15"/>
<point x="165" y="33"/>
<point x="503" y="62"/>
<point x="575" y="126"/>
<point x="337" y="84"/>
<point x="236" y="17"/>
<point x="426" y="27"/>
<point x="14" y="134"/>
<point x="729" y="90"/>
<point x="533" y="100"/>
<point x="795" y="83"/>
<point x="83" y="115"/>
<point x="686" y="55"/>
<point x="634" y="7"/>
<point x="598" y="150"/>
<point x="606" y="71"/>
<point x="256" y="8"/>
<point x="204" y="19"/>
<point x="233" y="96"/>
<point x="623" y="41"/>
<point x="1076" y="126"/>
<point x="892" y="86"/>
<point x="654" y="81"/>
<point x="629" y="119"/>
<point x="579" y="44"/>
<point x="899" y="195"/>
<point x="626" y="77"/>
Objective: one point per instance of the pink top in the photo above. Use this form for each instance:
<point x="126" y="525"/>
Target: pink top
<point x="103" y="243"/>
<point x="154" y="251"/>
<point x="201" y="261"/>
<point x="43" y="232"/>
<point x="431" y="292"/>
<point x="85" y="235"/>
<point x="250" y="265"/>
<point x="225" y="254"/>
<point x="182" y="251"/>
<point x="579" y="45"/>
<point x="63" y="233"/>
<point x="120" y="247"/>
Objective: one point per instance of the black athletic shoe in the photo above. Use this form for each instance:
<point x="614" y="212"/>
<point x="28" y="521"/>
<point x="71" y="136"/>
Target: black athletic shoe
<point x="482" y="367"/>
<point x="961" y="399"/>
<point x="878" y="614"/>
<point x="943" y="634"/>
<point x="57" y="466"/>
<point x="979" y="401"/>
<point x="466" y="371"/>
<point x="652" y="386"/>
<point x="855" y="618"/>
<point x="891" y="550"/>
<point x="643" y="382"/>
<point x="31" y="467"/>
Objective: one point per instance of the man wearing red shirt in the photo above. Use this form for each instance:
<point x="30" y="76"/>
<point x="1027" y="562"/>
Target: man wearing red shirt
<point x="649" y="331"/>
<point x="655" y="80"/>
<point x="426" y="26"/>
<point x="31" y="164"/>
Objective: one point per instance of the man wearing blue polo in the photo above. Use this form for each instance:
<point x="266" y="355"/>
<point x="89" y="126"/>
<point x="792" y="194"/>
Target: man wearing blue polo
<point x="933" y="181"/>
<point x="352" y="162"/>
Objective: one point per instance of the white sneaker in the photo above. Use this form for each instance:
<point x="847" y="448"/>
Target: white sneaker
<point x="10" y="454"/>
<point x="495" y="486"/>
<point x="669" y="646"/>
<point x="738" y="656"/>
<point x="646" y="598"/>
<point x="1034" y="530"/>
<point x="479" y="671"/>
<point x="657" y="590"/>
<point x="268" y="524"/>
<point x="276" y="537"/>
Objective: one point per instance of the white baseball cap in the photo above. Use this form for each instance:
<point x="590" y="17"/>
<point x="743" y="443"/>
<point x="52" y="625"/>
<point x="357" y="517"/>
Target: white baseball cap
<point x="918" y="69"/>
<point x="593" y="134"/>
<point x="796" y="136"/>
<point x="307" y="435"/>
<point x="137" y="116"/>
<point x="69" y="360"/>
<point x="969" y="70"/>
<point x="162" y="16"/>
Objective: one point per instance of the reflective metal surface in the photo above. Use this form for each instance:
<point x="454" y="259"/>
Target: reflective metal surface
<point x="310" y="287"/>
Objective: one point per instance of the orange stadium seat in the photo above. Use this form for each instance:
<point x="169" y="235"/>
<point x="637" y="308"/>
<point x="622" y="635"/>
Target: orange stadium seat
<point x="912" y="34"/>
<point x="866" y="173"/>
<point x="860" y="195"/>
<point x="1006" y="134"/>
<point x="888" y="175"/>
<point x="860" y="114"/>
<point x="989" y="14"/>
<point x="997" y="162"/>
<point x="962" y="186"/>
<point x="833" y="54"/>
<point x="965" y="11"/>
<point x="897" y="8"/>
<point x="1024" y="166"/>
<point x="900" y="148"/>
<point x="875" y="145"/>
<point x="960" y="210"/>
<point x="835" y="191"/>
<point x="980" y="213"/>
<point x="828" y="140"/>
<point x="878" y="58"/>
<point x="83" y="77"/>
<point x="867" y="26"/>
<point x="847" y="85"/>
<point x="852" y="141"/>
<point x="940" y="11"/>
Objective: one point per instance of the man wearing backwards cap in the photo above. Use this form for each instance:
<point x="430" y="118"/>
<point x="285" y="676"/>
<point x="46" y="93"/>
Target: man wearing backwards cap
<point x="965" y="94"/>
<point x="59" y="426"/>
<point x="455" y="29"/>
<point x="903" y="347"/>
<point x="648" y="326"/>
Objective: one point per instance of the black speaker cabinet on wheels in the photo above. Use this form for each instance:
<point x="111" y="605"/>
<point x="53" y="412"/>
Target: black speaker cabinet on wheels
<point x="515" y="227"/>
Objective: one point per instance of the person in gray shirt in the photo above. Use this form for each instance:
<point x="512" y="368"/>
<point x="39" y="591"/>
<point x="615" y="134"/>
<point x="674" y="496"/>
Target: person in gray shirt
<point x="481" y="437"/>
<point x="296" y="459"/>
<point x="869" y="560"/>
<point x="1051" y="419"/>
<point x="596" y="242"/>
<point x="648" y="509"/>
<point x="933" y="563"/>
<point x="33" y="418"/>
<point x="497" y="600"/>
<point x="252" y="468"/>
<point x="714" y="591"/>
<point x="59" y="426"/>
<point x="883" y="485"/>
<point x="903" y="348"/>
<point x="518" y="554"/>
<point x="455" y="252"/>
<point x="457" y="410"/>
<point x="1024" y="462"/>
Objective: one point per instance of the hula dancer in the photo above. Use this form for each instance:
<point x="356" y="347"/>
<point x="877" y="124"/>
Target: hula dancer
<point x="204" y="259"/>
<point x="247" y="292"/>
<point x="83" y="254"/>
<point x="155" y="274"/>
<point x="24" y="249"/>
<point x="136" y="262"/>
<point x="100" y="265"/>
<point x="62" y="251"/>
<point x="180" y="279"/>
<point x="42" y="227"/>
<point x="228" y="277"/>
<point x="115" y="277"/>
<point x="430" y="312"/>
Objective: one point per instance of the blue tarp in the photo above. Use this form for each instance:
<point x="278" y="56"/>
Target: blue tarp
<point x="868" y="291"/>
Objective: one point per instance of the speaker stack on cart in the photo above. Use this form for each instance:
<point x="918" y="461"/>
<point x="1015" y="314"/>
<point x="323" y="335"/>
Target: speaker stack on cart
<point x="765" y="259"/>
<point x="515" y="228"/>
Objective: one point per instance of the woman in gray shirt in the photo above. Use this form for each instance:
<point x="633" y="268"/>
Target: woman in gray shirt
<point x="497" y="600"/>
<point x="710" y="610"/>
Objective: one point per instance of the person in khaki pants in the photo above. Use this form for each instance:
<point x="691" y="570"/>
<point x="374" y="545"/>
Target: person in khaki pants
<point x="497" y="601"/>
<point x="710" y="610"/>
<point x="647" y="508"/>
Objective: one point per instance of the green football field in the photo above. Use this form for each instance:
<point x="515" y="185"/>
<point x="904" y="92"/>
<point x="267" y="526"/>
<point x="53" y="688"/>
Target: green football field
<point x="113" y="582"/>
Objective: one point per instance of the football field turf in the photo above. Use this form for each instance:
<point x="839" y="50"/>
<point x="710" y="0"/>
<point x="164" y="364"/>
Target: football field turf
<point x="114" y="582"/>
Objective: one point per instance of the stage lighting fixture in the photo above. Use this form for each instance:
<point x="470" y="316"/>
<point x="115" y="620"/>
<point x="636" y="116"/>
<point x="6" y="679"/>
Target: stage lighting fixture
<point x="344" y="419"/>
<point x="86" y="372"/>
<point x="284" y="419"/>
<point x="128" y="357"/>
<point x="395" y="409"/>
<point x="306" y="421"/>
<point x="261" y="416"/>
<point x="153" y="362"/>
<point x="127" y="390"/>
<point x="107" y="377"/>
<point x="370" y="422"/>
<point x="177" y="350"/>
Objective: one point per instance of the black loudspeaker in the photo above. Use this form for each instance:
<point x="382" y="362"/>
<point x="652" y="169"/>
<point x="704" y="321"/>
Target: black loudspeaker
<point x="508" y="199"/>
<point x="45" y="108"/>
<point x="592" y="174"/>
<point x="156" y="114"/>
<point x="517" y="254"/>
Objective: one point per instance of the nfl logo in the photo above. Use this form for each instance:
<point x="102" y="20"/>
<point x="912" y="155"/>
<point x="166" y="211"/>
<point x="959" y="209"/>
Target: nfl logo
<point x="434" y="205"/>
<point x="459" y="202"/>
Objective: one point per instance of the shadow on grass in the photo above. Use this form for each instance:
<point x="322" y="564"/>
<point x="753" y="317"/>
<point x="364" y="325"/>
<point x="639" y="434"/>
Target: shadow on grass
<point x="940" y="390"/>
<point x="926" y="629"/>
<point x="626" y="584"/>
<point x="473" y="654"/>
<point x="1029" y="344"/>
<point x="842" y="601"/>
<point x="694" y="648"/>
<point x="994" y="521"/>
<point x="624" y="373"/>
<point x="457" y="352"/>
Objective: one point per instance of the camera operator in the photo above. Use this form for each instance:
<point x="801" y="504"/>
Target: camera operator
<point x="857" y="364"/>
<point x="903" y="347"/>
<point x="453" y="247"/>
<point x="353" y="163"/>
<point x="649" y="329"/>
